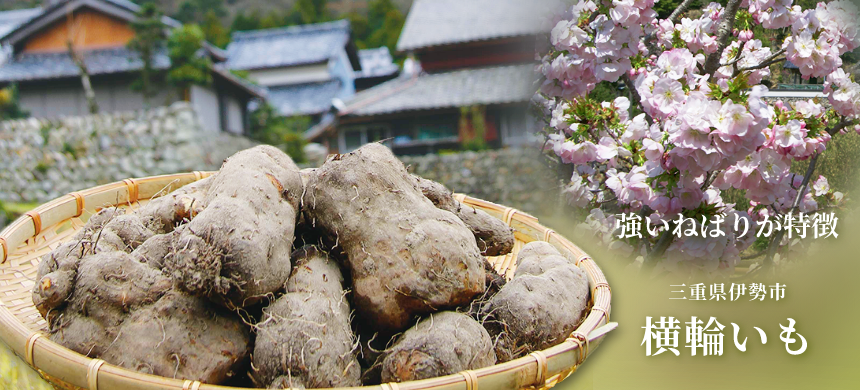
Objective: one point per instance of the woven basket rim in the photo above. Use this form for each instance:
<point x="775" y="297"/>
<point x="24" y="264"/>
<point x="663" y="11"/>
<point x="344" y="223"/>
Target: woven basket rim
<point x="538" y="370"/>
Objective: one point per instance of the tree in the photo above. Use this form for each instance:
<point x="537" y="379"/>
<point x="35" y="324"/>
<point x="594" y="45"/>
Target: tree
<point x="73" y="25"/>
<point x="273" y="20"/>
<point x="188" y="66"/>
<point x="360" y="28"/>
<point x="286" y="133"/>
<point x="473" y="127"/>
<point x="651" y="168"/>
<point x="377" y="11"/>
<point x="381" y="26"/>
<point x="9" y="104"/>
<point x="389" y="31"/>
<point x="309" y="11"/>
<point x="214" y="31"/>
<point x="196" y="11"/>
<point x="187" y="12"/>
<point x="243" y="22"/>
<point x="149" y="38"/>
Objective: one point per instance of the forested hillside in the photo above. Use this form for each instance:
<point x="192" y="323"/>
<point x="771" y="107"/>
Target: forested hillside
<point x="375" y="22"/>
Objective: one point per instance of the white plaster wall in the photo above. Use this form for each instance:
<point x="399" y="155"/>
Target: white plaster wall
<point x="290" y="75"/>
<point x="205" y="103"/>
<point x="67" y="99"/>
<point x="235" y="122"/>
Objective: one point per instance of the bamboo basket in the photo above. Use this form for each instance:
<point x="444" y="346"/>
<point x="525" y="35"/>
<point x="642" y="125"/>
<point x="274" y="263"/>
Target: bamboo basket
<point x="35" y="234"/>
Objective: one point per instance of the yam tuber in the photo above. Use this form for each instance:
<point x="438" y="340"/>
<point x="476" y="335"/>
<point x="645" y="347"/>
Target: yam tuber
<point x="540" y="307"/>
<point x="304" y="339"/>
<point x="494" y="237"/>
<point x="442" y="344"/>
<point x="101" y="302"/>
<point x="406" y="256"/>
<point x="237" y="250"/>
<point x="164" y="213"/>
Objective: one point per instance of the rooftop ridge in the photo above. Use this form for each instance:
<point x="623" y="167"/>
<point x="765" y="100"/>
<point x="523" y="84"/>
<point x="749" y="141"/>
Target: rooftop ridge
<point x="305" y="28"/>
<point x="18" y="13"/>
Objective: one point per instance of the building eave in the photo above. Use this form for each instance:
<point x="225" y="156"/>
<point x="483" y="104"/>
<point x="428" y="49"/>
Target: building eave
<point x="57" y="11"/>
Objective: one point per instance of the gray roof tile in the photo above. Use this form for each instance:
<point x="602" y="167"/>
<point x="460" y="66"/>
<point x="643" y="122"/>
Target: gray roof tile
<point x="444" y="22"/>
<point x="288" y="46"/>
<point x="40" y="66"/>
<point x="496" y="85"/>
<point x="48" y="11"/>
<point x="304" y="99"/>
<point x="376" y="63"/>
<point x="10" y="20"/>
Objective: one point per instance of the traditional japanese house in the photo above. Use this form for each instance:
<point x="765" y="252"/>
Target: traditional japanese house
<point x="49" y="82"/>
<point x="304" y="68"/>
<point x="470" y="78"/>
<point x="377" y="67"/>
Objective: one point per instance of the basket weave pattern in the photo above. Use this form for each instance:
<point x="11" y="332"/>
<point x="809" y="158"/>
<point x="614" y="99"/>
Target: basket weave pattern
<point x="40" y="231"/>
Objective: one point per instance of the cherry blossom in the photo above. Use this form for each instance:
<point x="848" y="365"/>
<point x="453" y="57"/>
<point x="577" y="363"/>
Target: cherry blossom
<point x="695" y="120"/>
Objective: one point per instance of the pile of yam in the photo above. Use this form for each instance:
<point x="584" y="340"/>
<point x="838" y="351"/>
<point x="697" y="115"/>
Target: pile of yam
<point x="264" y="275"/>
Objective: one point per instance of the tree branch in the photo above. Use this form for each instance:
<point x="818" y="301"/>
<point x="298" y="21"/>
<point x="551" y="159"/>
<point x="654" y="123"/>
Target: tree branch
<point x="839" y="126"/>
<point x="727" y="23"/>
<point x="774" y="244"/>
<point x="680" y="10"/>
<point x="760" y="66"/>
<point x="637" y="100"/>
<point x="659" y="248"/>
<point x="754" y="255"/>
<point x="73" y="29"/>
<point x="777" y="239"/>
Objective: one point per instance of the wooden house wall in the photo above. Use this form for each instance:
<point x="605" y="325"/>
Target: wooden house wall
<point x="88" y="29"/>
<point x="477" y="54"/>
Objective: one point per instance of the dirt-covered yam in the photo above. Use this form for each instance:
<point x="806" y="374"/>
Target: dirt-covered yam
<point x="304" y="339"/>
<point x="107" y="231"/>
<point x="155" y="250"/>
<point x="493" y="236"/>
<point x="442" y="344"/>
<point x="131" y="315"/>
<point x="540" y="306"/>
<point x="164" y="213"/>
<point x="406" y="256"/>
<point x="537" y="257"/>
<point x="237" y="250"/>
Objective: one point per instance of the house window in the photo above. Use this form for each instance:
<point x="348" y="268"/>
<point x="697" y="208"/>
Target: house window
<point x="352" y="138"/>
<point x="516" y="127"/>
<point x="436" y="131"/>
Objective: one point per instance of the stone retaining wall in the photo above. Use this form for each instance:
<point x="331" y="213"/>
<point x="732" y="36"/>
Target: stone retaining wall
<point x="515" y="177"/>
<point x="43" y="159"/>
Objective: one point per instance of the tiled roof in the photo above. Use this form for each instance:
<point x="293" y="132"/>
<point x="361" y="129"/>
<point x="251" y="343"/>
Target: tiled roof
<point x="254" y="89"/>
<point x="444" y="22"/>
<point x="40" y="66"/>
<point x="496" y="85"/>
<point x="288" y="46"/>
<point x="304" y="99"/>
<point x="376" y="63"/>
<point x="10" y="20"/>
<point x="56" y="10"/>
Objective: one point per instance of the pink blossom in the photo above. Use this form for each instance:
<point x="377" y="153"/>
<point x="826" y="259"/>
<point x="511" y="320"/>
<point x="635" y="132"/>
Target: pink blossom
<point x="773" y="166"/>
<point x="667" y="93"/>
<point x="790" y="135"/>
<point x="821" y="186"/>
<point x="689" y="198"/>
<point x="685" y="130"/>
<point x="731" y="119"/>
<point x="676" y="62"/>
<point x="653" y="150"/>
<point x="576" y="153"/>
